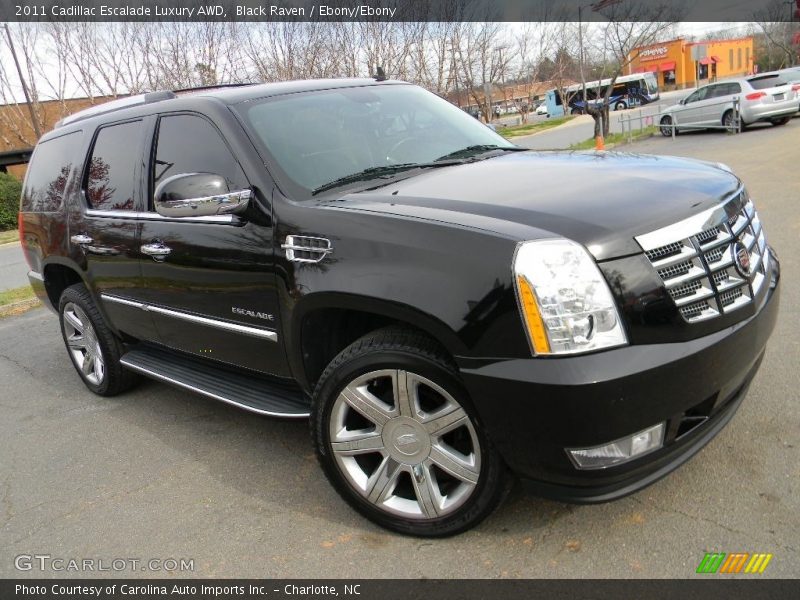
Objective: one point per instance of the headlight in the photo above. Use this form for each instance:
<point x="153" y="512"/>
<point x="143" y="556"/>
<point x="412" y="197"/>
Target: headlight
<point x="565" y="301"/>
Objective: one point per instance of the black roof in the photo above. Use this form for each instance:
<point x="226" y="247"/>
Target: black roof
<point x="234" y="95"/>
<point x="227" y="94"/>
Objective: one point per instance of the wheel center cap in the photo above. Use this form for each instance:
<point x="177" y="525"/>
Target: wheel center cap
<point x="406" y="440"/>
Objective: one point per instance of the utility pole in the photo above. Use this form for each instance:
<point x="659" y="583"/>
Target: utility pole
<point x="455" y="71"/>
<point x="34" y="119"/>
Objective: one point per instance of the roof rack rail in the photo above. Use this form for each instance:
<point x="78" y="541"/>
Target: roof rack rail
<point x="216" y="86"/>
<point x="114" y="105"/>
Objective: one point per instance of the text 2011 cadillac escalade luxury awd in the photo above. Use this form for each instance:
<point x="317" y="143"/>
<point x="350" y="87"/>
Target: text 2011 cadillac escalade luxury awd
<point x="448" y="309"/>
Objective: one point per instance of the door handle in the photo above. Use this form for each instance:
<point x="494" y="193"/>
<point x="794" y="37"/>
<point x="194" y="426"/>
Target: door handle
<point x="81" y="239"/>
<point x="157" y="250"/>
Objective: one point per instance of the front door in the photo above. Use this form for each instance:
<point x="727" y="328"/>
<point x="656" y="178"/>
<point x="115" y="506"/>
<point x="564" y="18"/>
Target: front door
<point x="209" y="281"/>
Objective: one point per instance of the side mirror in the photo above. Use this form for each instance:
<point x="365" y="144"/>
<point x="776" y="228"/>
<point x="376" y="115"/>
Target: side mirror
<point x="198" y="195"/>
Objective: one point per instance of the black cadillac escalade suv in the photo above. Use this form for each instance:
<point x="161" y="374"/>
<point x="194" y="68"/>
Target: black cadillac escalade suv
<point x="447" y="309"/>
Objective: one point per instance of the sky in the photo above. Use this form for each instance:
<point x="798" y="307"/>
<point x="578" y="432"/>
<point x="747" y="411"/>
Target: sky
<point x="684" y="29"/>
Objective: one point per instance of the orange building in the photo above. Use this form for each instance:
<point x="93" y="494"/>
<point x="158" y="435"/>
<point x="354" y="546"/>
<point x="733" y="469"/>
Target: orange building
<point x="17" y="137"/>
<point x="674" y="67"/>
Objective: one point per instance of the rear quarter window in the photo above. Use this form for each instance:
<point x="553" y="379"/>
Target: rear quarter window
<point x="49" y="172"/>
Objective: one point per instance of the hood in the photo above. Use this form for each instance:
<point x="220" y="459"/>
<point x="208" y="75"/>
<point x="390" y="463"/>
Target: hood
<point x="600" y="199"/>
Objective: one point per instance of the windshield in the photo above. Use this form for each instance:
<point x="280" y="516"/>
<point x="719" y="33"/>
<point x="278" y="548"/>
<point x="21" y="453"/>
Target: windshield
<point x="316" y="138"/>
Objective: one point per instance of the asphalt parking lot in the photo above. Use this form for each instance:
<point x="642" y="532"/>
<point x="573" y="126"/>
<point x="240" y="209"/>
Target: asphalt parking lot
<point x="159" y="473"/>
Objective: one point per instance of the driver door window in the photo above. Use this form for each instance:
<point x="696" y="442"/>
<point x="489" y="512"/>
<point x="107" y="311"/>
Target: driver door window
<point x="190" y="144"/>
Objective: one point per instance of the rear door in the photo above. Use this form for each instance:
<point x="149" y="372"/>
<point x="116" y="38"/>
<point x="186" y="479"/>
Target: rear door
<point x="213" y="293"/>
<point x="104" y="232"/>
<point x="720" y="101"/>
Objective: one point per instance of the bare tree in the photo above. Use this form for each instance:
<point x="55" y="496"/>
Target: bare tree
<point x="775" y="23"/>
<point x="631" y="26"/>
<point x="480" y="60"/>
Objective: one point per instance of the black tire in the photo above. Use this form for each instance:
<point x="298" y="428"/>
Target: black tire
<point x="665" y="126"/>
<point x="620" y="106"/>
<point x="576" y="111"/>
<point x="781" y="121"/>
<point x="729" y="121"/>
<point x="405" y="351"/>
<point x="76" y="301"/>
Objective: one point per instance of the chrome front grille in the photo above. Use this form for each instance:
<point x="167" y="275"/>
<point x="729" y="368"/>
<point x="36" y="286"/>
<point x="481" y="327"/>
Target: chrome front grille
<point x="697" y="259"/>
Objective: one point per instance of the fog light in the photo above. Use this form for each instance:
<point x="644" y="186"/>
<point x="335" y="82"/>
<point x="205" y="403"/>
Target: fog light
<point x="619" y="451"/>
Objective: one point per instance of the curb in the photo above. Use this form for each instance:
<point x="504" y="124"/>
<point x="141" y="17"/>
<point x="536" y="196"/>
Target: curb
<point x="17" y="308"/>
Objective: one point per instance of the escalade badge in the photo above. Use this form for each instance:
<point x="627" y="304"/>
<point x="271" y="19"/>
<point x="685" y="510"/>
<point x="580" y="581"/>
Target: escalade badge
<point x="741" y="258"/>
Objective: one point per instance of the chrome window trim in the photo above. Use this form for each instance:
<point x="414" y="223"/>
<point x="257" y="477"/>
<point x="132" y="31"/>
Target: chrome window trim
<point x="152" y="216"/>
<point x="693" y="225"/>
<point x="272" y="336"/>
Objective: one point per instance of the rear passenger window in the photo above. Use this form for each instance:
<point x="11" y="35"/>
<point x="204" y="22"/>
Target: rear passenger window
<point x="48" y="173"/>
<point x="111" y="176"/>
<point x="190" y="144"/>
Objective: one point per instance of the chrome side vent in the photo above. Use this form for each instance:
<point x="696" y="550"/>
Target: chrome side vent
<point x="304" y="249"/>
<point x="711" y="263"/>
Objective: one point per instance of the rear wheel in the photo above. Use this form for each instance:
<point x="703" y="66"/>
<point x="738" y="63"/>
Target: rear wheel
<point x="781" y="121"/>
<point x="397" y="437"/>
<point x="620" y="106"/>
<point x="93" y="349"/>
<point x="729" y="120"/>
<point x="576" y="111"/>
<point x="665" y="126"/>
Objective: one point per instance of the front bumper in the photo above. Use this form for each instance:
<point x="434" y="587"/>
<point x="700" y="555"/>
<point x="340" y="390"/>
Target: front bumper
<point x="533" y="409"/>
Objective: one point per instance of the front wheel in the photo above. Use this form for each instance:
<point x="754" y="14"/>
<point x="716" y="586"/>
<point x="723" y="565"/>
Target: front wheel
<point x="781" y="121"/>
<point x="620" y="106"/>
<point x="397" y="437"/>
<point x="665" y="126"/>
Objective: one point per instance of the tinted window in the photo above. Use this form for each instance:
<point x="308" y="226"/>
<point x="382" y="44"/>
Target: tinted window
<point x="724" y="89"/>
<point x="111" y="176"/>
<point x="701" y="94"/>
<point x="768" y="81"/>
<point x="190" y="144"/>
<point x="48" y="172"/>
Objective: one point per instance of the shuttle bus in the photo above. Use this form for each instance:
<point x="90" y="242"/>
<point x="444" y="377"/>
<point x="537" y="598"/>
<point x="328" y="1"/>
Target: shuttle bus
<point x="628" y="91"/>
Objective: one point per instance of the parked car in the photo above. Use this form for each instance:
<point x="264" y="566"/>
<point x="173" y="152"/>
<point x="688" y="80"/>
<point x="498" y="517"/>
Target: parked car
<point x="446" y="309"/>
<point x="768" y="97"/>
<point x="542" y="109"/>
<point x="792" y="75"/>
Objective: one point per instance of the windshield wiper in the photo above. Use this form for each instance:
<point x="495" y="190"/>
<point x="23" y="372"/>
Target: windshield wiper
<point x="478" y="149"/>
<point x="373" y="173"/>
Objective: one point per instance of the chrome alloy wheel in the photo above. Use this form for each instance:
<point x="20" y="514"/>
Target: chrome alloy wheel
<point x="405" y="444"/>
<point x="83" y="344"/>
